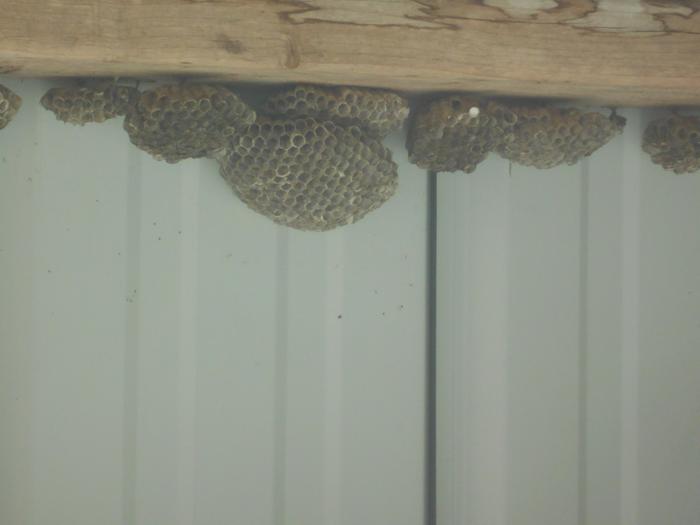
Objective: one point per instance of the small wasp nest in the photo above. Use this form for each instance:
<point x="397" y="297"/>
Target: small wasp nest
<point x="173" y="123"/>
<point x="9" y="105"/>
<point x="95" y="102"/>
<point x="457" y="133"/>
<point x="308" y="174"/>
<point x="545" y="137"/>
<point x="375" y="111"/>
<point x="674" y="143"/>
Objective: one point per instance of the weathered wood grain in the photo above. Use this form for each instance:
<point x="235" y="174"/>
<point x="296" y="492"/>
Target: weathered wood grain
<point x="633" y="52"/>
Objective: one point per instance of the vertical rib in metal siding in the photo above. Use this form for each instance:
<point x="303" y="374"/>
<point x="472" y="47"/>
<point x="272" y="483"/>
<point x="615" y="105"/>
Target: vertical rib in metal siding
<point x="472" y="339"/>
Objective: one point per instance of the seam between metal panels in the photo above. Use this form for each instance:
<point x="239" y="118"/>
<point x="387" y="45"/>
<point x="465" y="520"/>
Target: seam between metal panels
<point x="431" y="357"/>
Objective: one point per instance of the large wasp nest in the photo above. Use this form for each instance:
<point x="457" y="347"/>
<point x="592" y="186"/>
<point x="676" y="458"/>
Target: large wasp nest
<point x="173" y="123"/>
<point x="94" y="102"/>
<point x="309" y="174"/>
<point x="674" y="143"/>
<point x="9" y="105"/>
<point x="457" y="133"/>
<point x="376" y="112"/>
<point x="545" y="137"/>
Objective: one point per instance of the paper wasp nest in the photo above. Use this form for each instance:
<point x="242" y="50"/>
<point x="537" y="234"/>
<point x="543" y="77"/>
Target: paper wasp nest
<point x="174" y="122"/>
<point x="94" y="102"/>
<point x="457" y="133"/>
<point x="674" y="143"/>
<point x="376" y="112"/>
<point x="308" y="174"/>
<point x="544" y="137"/>
<point x="9" y="105"/>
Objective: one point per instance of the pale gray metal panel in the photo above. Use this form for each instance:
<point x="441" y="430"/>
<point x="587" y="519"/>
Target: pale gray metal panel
<point x="568" y="342"/>
<point x="668" y="357"/>
<point x="169" y="356"/>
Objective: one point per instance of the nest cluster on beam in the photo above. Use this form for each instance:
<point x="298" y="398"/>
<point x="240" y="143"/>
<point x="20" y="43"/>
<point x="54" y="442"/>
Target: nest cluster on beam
<point x="312" y="158"/>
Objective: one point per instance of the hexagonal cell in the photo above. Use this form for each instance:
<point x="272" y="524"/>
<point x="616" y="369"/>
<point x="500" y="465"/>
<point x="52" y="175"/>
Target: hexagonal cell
<point x="308" y="174"/>
<point x="674" y="143"/>
<point x="92" y="102"/>
<point x="375" y="111"/>
<point x="176" y="122"/>
<point x="457" y="133"/>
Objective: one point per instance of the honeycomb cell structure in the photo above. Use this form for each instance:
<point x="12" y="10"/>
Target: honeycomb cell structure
<point x="9" y="105"/>
<point x="177" y="122"/>
<point x="375" y="111"/>
<point x="309" y="174"/>
<point x="544" y="137"/>
<point x="457" y="133"/>
<point x="93" y="102"/>
<point x="674" y="143"/>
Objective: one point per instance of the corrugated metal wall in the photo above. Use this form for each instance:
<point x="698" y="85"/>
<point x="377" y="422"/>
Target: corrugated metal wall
<point x="569" y="342"/>
<point x="170" y="357"/>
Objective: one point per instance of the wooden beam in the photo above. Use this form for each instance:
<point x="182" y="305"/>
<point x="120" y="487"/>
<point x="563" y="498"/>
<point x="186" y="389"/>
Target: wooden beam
<point x="622" y="52"/>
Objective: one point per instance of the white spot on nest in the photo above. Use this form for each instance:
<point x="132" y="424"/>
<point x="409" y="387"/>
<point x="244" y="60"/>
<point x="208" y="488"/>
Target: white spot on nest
<point x="474" y="112"/>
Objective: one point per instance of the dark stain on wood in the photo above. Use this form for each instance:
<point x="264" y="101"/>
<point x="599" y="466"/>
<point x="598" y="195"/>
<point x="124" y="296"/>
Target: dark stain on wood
<point x="6" y="69"/>
<point x="230" y="45"/>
